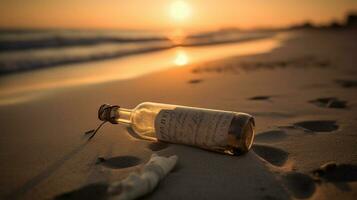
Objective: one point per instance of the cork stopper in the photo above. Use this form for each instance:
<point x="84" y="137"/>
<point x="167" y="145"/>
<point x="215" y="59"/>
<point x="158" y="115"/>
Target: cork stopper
<point x="108" y="113"/>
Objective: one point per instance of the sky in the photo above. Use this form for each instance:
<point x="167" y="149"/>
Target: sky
<point x="168" y="14"/>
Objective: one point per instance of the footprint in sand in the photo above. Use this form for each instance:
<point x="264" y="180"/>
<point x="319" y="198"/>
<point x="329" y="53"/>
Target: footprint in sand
<point x="300" y="185"/>
<point x="329" y="102"/>
<point x="318" y="125"/>
<point x="347" y="83"/>
<point x="273" y="155"/>
<point x="157" y="146"/>
<point x="195" y="81"/>
<point x="119" y="162"/>
<point x="303" y="185"/>
<point x="333" y="172"/>
<point x="259" y="98"/>
<point x="96" y="191"/>
<point x="271" y="136"/>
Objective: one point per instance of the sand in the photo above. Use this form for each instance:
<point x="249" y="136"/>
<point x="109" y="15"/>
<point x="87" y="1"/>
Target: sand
<point x="303" y="95"/>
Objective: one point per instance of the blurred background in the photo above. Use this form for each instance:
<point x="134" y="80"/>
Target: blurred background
<point x="38" y="34"/>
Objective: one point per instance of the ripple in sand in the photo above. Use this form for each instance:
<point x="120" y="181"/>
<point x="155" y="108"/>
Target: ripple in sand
<point x="95" y="191"/>
<point x="119" y="162"/>
<point x="157" y="146"/>
<point x="272" y="114"/>
<point x="259" y="98"/>
<point x="273" y="155"/>
<point x="233" y="66"/>
<point x="300" y="185"/>
<point x="347" y="83"/>
<point x="329" y="102"/>
<point x="333" y="172"/>
<point x="195" y="81"/>
<point x="308" y="61"/>
<point x="318" y="125"/>
<point x="270" y="136"/>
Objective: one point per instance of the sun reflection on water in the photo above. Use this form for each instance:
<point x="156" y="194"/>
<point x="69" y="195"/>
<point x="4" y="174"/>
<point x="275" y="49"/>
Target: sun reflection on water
<point x="181" y="58"/>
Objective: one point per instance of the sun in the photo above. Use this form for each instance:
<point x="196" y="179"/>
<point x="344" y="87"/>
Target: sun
<point x="180" y="10"/>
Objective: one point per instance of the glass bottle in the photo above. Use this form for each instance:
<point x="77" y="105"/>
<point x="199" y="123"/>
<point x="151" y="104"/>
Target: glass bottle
<point x="223" y="131"/>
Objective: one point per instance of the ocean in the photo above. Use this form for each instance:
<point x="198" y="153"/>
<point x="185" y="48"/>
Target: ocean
<point x="24" y="50"/>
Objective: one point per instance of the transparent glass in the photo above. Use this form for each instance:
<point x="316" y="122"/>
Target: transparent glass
<point x="141" y="123"/>
<point x="142" y="118"/>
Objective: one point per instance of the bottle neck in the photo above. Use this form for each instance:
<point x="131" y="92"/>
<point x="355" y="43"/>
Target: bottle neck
<point x="123" y="116"/>
<point x="114" y="114"/>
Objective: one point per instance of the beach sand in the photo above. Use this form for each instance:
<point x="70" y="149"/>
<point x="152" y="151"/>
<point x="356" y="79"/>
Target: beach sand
<point x="302" y="94"/>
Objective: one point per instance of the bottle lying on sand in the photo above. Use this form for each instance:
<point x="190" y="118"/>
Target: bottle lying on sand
<point x="223" y="131"/>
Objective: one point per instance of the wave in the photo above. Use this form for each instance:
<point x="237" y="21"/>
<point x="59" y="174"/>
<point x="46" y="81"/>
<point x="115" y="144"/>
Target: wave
<point x="22" y="50"/>
<point x="27" y="40"/>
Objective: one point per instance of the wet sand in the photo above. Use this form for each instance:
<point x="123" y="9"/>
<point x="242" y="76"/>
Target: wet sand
<point x="302" y="93"/>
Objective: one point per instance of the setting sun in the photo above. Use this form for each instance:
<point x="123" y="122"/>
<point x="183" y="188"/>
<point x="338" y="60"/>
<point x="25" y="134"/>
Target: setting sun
<point x="180" y="10"/>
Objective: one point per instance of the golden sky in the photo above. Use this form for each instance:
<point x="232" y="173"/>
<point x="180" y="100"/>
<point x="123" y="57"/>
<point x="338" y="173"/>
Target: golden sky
<point x="167" y="14"/>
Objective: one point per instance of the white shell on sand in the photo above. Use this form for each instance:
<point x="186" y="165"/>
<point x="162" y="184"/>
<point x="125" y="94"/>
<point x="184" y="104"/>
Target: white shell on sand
<point x="140" y="183"/>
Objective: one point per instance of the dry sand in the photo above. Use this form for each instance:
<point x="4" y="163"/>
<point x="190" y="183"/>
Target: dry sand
<point x="303" y="95"/>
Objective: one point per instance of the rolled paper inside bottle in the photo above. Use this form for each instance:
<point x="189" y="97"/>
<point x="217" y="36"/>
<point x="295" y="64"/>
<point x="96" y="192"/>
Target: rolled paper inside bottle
<point x="223" y="131"/>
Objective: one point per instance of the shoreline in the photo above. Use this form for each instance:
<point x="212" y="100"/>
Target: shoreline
<point x="75" y="75"/>
<point x="65" y="50"/>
